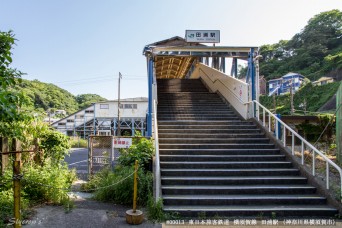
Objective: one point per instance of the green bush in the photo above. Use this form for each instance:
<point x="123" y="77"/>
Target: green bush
<point x="120" y="185"/>
<point x="39" y="184"/>
<point x="6" y="206"/>
<point x="48" y="183"/>
<point x="55" y="145"/>
<point x="141" y="150"/>
<point x="78" y="142"/>
<point x="43" y="183"/>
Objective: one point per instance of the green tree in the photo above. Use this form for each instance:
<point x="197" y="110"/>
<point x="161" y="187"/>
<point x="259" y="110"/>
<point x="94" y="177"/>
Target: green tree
<point x="85" y="100"/>
<point x="313" y="52"/>
<point x="11" y="102"/>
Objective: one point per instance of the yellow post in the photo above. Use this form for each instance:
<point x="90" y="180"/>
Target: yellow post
<point x="135" y="189"/>
<point x="134" y="216"/>
<point x="16" y="186"/>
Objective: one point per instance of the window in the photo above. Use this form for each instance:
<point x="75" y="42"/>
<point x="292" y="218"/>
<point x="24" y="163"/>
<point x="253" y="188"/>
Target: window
<point x="104" y="106"/>
<point x="60" y="124"/>
<point x="70" y="121"/>
<point x="128" y="106"/>
<point x="89" y="111"/>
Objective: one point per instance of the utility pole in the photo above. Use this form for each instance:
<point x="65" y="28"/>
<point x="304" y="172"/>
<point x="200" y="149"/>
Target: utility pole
<point x="119" y="130"/>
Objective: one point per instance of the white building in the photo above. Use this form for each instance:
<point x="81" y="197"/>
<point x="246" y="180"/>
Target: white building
<point x="102" y="118"/>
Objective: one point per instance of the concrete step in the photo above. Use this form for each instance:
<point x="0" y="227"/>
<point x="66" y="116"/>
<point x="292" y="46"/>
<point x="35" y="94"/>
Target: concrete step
<point x="212" y="135"/>
<point x="211" y="141"/>
<point x="230" y="152"/>
<point x="203" y="115"/>
<point x="224" y="164"/>
<point x="233" y="130"/>
<point x="199" y="118"/>
<point x="312" y="211"/>
<point x="233" y="180"/>
<point x="190" y="112"/>
<point x="222" y="157"/>
<point x="225" y="200"/>
<point x="205" y="123"/>
<point x="237" y="189"/>
<point x="217" y="146"/>
<point x="229" y="172"/>
<point x="210" y="127"/>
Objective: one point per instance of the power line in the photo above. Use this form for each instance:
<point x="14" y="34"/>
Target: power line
<point x="109" y="77"/>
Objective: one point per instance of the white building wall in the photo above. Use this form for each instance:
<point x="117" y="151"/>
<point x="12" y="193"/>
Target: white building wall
<point x="233" y="90"/>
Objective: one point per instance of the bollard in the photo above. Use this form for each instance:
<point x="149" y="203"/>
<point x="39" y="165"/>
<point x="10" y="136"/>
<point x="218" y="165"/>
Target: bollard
<point x="134" y="216"/>
<point x="16" y="190"/>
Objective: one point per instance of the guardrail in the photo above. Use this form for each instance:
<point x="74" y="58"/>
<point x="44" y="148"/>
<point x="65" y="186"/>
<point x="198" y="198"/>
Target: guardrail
<point x="156" y="141"/>
<point x="303" y="142"/>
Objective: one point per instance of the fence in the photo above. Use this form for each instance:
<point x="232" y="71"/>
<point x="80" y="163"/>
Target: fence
<point x="309" y="156"/>
<point x="104" y="151"/>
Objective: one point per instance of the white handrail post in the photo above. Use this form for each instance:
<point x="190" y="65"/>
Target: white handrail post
<point x="276" y="128"/>
<point x="269" y="122"/>
<point x="284" y="135"/>
<point x="263" y="118"/>
<point x="257" y="111"/>
<point x="302" y="153"/>
<point x="313" y="163"/>
<point x="327" y="173"/>
<point x="292" y="145"/>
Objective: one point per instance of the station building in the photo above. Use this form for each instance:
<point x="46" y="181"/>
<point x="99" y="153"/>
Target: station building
<point x="102" y="118"/>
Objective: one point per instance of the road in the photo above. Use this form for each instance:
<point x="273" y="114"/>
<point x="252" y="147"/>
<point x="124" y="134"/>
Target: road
<point x="78" y="159"/>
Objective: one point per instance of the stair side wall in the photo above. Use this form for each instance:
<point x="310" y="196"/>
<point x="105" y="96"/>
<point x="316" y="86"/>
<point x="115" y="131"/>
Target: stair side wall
<point x="233" y="90"/>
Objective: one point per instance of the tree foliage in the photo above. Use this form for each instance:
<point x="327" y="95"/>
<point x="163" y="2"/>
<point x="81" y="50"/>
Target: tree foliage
<point x="46" y="96"/>
<point x="85" y="100"/>
<point x="313" y="52"/>
<point x="313" y="96"/>
<point x="10" y="101"/>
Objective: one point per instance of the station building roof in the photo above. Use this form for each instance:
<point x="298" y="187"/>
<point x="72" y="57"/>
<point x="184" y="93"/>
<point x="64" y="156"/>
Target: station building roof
<point x="173" y="57"/>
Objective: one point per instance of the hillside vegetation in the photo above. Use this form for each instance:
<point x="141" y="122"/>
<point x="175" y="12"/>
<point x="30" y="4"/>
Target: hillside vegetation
<point x="46" y="96"/>
<point x="314" y="52"/>
<point x="309" y="98"/>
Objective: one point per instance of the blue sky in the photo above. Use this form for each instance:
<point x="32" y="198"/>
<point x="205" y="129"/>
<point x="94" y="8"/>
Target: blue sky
<point x="82" y="45"/>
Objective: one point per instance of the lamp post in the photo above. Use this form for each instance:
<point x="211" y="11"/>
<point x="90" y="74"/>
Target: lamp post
<point x="119" y="130"/>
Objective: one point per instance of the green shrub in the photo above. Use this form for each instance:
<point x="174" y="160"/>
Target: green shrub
<point x="155" y="211"/>
<point x="78" y="142"/>
<point x="6" y="206"/>
<point x="120" y="184"/>
<point x="39" y="184"/>
<point x="48" y="183"/>
<point x="141" y="150"/>
<point x="55" y="145"/>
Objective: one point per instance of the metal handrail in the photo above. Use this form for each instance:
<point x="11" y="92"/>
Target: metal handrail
<point x="242" y="102"/>
<point x="156" y="141"/>
<point x="315" y="151"/>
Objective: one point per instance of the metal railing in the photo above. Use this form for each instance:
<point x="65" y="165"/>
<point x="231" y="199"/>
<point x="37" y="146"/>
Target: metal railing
<point x="156" y="141"/>
<point x="304" y="144"/>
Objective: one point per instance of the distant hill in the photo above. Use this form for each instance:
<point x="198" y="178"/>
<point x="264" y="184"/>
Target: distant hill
<point x="314" y="52"/>
<point x="44" y="96"/>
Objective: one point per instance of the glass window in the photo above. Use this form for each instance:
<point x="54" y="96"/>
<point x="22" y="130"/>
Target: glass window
<point x="104" y="106"/>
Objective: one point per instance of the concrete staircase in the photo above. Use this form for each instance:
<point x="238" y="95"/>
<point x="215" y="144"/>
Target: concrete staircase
<point x="216" y="164"/>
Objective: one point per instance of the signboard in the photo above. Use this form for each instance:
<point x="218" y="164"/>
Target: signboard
<point x="202" y="36"/>
<point x="122" y="142"/>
